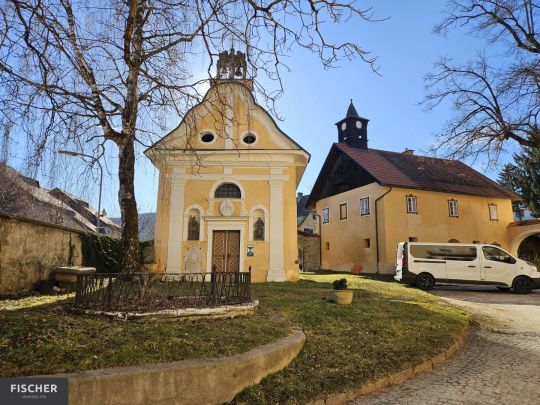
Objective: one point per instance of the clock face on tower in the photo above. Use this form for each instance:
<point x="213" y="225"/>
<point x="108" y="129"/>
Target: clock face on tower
<point x="344" y="126"/>
<point x="359" y="124"/>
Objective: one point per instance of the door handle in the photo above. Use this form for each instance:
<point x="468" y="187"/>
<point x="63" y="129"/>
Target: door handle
<point x="471" y="267"/>
<point x="487" y="267"/>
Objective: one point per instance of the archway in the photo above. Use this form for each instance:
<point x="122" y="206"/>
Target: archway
<point x="529" y="249"/>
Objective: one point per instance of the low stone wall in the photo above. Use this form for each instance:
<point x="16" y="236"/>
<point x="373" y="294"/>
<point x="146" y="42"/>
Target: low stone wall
<point x="183" y="382"/>
<point x="310" y="244"/>
<point x="30" y="250"/>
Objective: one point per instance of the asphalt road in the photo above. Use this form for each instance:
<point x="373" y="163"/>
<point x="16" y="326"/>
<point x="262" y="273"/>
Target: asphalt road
<point x="499" y="363"/>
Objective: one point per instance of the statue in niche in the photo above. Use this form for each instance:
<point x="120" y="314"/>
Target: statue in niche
<point x="258" y="229"/>
<point x="193" y="227"/>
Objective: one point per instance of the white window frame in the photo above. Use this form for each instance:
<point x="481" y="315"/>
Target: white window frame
<point x="364" y="213"/>
<point x="346" y="210"/>
<point x="453" y="210"/>
<point x="325" y="214"/>
<point x="493" y="212"/>
<point x="412" y="208"/>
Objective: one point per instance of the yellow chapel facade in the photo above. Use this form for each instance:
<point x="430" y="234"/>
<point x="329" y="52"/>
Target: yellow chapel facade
<point x="227" y="186"/>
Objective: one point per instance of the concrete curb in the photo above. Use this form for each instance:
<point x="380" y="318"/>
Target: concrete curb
<point x="182" y="382"/>
<point x="396" y="378"/>
<point x="223" y="311"/>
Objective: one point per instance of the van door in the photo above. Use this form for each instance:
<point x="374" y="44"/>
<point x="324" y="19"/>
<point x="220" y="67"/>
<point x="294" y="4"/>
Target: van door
<point x="462" y="263"/>
<point x="498" y="267"/>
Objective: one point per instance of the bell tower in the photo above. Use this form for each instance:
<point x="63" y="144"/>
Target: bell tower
<point x="232" y="67"/>
<point x="352" y="129"/>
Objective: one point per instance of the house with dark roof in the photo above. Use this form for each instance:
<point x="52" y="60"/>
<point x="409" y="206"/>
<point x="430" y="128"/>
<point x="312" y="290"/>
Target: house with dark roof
<point x="306" y="218"/>
<point x="369" y="200"/>
<point x="23" y="197"/>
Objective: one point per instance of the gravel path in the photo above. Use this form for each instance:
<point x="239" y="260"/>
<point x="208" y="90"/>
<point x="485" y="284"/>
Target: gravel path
<point x="499" y="363"/>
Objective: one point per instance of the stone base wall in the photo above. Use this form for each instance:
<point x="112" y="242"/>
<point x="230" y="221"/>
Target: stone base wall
<point x="310" y="246"/>
<point x="30" y="250"/>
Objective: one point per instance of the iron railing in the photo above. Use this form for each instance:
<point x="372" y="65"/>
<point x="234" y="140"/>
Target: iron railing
<point x="152" y="291"/>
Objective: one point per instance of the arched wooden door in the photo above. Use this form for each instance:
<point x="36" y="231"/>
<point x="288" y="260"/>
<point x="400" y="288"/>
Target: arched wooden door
<point x="226" y="251"/>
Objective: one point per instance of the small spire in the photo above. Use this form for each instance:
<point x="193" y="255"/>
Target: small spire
<point x="351" y="111"/>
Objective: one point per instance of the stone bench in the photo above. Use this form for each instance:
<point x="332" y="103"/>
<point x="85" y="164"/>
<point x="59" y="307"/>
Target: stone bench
<point x="68" y="274"/>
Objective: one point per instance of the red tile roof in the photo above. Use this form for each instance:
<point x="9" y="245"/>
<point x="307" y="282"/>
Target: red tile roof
<point x="422" y="172"/>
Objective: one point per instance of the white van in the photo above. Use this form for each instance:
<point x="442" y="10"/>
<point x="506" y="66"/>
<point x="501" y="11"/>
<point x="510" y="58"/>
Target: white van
<point x="424" y="264"/>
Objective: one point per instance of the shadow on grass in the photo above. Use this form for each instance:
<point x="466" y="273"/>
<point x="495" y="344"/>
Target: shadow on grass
<point x="380" y="333"/>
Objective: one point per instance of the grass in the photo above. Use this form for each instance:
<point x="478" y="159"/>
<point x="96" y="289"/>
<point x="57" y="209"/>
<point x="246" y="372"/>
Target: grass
<point x="387" y="328"/>
<point x="38" y="336"/>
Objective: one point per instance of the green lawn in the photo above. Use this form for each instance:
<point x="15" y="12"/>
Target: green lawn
<point x="387" y="328"/>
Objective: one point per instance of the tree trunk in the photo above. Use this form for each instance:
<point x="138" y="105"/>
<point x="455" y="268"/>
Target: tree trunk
<point x="128" y="206"/>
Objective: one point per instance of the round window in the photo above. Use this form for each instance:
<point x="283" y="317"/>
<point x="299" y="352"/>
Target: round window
<point x="207" y="138"/>
<point x="249" y="139"/>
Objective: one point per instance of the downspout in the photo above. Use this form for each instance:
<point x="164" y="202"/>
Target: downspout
<point x="377" y="226"/>
<point x="320" y="239"/>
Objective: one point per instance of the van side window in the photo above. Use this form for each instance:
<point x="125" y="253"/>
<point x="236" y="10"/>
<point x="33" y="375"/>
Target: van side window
<point x="497" y="255"/>
<point x="444" y="252"/>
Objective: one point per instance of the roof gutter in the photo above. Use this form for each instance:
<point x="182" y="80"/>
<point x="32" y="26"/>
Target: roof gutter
<point x="377" y="226"/>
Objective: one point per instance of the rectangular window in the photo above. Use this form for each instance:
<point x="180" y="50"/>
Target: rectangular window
<point x="327" y="245"/>
<point x="411" y="204"/>
<point x="452" y="208"/>
<point x="325" y="215"/>
<point x="343" y="211"/>
<point x="367" y="243"/>
<point x="413" y="239"/>
<point x="493" y="214"/>
<point x="364" y="206"/>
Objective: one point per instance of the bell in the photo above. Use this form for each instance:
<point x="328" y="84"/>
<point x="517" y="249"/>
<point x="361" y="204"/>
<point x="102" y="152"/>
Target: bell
<point x="238" y="71"/>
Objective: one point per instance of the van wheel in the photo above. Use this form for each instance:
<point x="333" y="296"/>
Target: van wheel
<point x="522" y="285"/>
<point x="425" y="281"/>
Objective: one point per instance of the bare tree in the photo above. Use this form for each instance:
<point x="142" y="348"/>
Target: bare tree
<point x="495" y="99"/>
<point x="78" y="73"/>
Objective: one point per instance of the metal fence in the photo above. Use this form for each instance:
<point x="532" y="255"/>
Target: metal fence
<point x="151" y="291"/>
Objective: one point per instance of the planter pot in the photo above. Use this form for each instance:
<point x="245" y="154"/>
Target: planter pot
<point x="343" y="297"/>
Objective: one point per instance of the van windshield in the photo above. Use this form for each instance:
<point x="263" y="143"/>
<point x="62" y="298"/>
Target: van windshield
<point x="444" y="252"/>
<point x="497" y="255"/>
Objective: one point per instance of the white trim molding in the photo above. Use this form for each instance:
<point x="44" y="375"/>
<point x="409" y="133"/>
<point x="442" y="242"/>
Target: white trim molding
<point x="176" y="223"/>
<point x="276" y="271"/>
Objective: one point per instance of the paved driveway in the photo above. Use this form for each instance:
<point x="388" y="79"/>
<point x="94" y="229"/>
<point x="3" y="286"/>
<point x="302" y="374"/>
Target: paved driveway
<point x="499" y="363"/>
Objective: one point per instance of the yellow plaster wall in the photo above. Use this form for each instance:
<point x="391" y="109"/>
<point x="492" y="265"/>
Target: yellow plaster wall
<point x="290" y="242"/>
<point x="343" y="241"/>
<point x="431" y="224"/>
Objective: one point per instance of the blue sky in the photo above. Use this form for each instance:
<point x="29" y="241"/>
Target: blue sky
<point x="316" y="98"/>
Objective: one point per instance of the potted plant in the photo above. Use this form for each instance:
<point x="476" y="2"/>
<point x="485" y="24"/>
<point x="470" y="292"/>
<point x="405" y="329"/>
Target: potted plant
<point x="342" y="295"/>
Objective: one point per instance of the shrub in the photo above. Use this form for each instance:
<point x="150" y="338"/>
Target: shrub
<point x="340" y="284"/>
<point x="102" y="252"/>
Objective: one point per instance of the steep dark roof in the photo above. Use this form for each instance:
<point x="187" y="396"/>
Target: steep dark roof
<point x="351" y="111"/>
<point x="301" y="210"/>
<point x="422" y="172"/>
